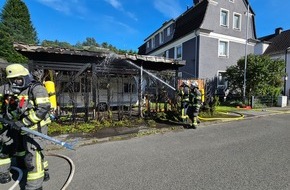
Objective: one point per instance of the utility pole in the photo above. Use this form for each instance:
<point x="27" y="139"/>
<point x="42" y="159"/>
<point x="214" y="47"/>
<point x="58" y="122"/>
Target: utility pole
<point x="286" y="76"/>
<point x="246" y="55"/>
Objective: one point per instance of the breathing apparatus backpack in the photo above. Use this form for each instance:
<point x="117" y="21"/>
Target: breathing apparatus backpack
<point x="50" y="88"/>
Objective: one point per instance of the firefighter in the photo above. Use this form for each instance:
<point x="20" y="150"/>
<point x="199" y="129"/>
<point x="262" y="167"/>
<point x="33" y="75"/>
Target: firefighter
<point x="194" y="104"/>
<point x="25" y="102"/>
<point x="184" y="96"/>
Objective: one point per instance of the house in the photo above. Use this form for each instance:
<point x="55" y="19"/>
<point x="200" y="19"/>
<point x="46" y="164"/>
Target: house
<point x="277" y="46"/>
<point x="210" y="36"/>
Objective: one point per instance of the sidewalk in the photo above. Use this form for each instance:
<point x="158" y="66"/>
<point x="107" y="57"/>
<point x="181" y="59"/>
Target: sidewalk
<point x="122" y="133"/>
<point x="264" y="111"/>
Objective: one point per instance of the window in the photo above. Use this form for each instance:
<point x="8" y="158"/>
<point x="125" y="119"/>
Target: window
<point x="221" y="80"/>
<point x="232" y="1"/>
<point x="168" y="32"/>
<point x="161" y="38"/>
<point x="223" y="50"/>
<point x="148" y="44"/>
<point x="167" y="53"/>
<point x="129" y="88"/>
<point x="224" y="18"/>
<point x="237" y="21"/>
<point x="153" y="42"/>
<point x="103" y="86"/>
<point x="178" y="52"/>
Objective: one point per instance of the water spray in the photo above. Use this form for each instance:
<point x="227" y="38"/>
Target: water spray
<point x="150" y="74"/>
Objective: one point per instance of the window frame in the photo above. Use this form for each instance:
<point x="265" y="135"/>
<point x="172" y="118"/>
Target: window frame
<point x="226" y="55"/>
<point x="167" y="54"/>
<point x="222" y="18"/>
<point x="161" y="37"/>
<point x="153" y="42"/>
<point x="129" y="87"/>
<point x="240" y="21"/>
<point x="176" y="52"/>
<point x="168" y="31"/>
<point x="221" y="80"/>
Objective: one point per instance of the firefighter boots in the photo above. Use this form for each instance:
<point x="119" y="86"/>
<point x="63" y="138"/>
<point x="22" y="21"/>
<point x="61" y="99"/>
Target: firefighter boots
<point x="5" y="178"/>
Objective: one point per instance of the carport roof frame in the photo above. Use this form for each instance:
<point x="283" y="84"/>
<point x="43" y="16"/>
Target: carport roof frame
<point x="56" y="58"/>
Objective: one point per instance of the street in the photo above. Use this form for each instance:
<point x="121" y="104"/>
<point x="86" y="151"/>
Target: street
<point x="240" y="155"/>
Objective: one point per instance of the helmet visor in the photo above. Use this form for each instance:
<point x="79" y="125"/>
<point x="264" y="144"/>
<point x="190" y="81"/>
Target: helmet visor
<point x="17" y="82"/>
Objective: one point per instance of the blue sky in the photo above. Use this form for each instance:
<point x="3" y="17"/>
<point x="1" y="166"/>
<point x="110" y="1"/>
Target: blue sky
<point x="126" y="23"/>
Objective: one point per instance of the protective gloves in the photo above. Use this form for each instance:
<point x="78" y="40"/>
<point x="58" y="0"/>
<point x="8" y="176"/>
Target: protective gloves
<point x="17" y="125"/>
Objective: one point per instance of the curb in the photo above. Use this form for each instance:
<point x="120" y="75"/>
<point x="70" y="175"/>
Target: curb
<point x="145" y="131"/>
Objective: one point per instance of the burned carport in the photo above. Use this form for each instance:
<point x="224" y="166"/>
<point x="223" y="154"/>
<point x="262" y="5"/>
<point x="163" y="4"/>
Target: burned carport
<point x="94" y="81"/>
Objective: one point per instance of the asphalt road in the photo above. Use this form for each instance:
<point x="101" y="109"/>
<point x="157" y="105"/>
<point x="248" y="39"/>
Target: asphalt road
<point x="241" y="155"/>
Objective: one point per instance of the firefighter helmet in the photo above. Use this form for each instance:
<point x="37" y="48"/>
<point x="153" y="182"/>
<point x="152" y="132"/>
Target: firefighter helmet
<point x="16" y="70"/>
<point x="18" y="76"/>
<point x="193" y="85"/>
<point x="184" y="83"/>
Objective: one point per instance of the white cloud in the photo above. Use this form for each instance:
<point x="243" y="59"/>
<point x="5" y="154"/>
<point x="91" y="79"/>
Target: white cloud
<point x="67" y="7"/>
<point x="110" y="22"/>
<point x="118" y="5"/>
<point x="132" y="16"/>
<point x="169" y="8"/>
<point x="115" y="3"/>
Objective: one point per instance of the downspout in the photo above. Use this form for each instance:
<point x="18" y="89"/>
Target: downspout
<point x="195" y="56"/>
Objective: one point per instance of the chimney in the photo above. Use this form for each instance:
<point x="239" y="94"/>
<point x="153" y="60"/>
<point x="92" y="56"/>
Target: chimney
<point x="278" y="30"/>
<point x="196" y="1"/>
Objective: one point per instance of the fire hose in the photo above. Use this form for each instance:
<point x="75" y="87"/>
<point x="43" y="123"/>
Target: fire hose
<point x="67" y="182"/>
<point x="30" y="131"/>
<point x="69" y="146"/>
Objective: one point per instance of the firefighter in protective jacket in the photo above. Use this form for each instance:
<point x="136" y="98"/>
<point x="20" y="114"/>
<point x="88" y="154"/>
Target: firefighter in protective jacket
<point x="25" y="102"/>
<point x="184" y="91"/>
<point x="194" y="104"/>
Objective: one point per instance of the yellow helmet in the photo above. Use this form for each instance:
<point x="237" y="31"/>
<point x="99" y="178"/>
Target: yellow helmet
<point x="16" y="70"/>
<point x="194" y="84"/>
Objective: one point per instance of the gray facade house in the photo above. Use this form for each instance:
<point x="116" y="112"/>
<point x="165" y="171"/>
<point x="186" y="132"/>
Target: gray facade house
<point x="210" y="36"/>
<point x="277" y="46"/>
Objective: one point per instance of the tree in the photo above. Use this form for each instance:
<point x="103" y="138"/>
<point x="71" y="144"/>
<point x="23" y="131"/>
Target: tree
<point x="16" y="27"/>
<point x="264" y="76"/>
<point x="56" y="43"/>
<point x="7" y="51"/>
<point x="90" y="42"/>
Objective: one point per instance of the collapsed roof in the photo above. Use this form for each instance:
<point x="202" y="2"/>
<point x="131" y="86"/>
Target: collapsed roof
<point x="56" y="58"/>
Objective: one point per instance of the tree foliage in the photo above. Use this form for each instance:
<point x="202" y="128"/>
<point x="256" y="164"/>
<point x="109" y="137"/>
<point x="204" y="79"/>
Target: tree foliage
<point x="89" y="44"/>
<point x="7" y="51"/>
<point x="264" y="76"/>
<point x="56" y="43"/>
<point x="15" y="26"/>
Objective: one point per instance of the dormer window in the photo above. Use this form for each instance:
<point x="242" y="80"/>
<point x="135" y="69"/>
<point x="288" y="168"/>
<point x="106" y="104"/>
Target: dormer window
<point x="152" y="42"/>
<point x="148" y="44"/>
<point x="168" y="32"/>
<point x="161" y="38"/>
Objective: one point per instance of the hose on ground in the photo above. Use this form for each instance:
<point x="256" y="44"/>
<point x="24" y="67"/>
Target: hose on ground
<point x="20" y="174"/>
<point x="72" y="169"/>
